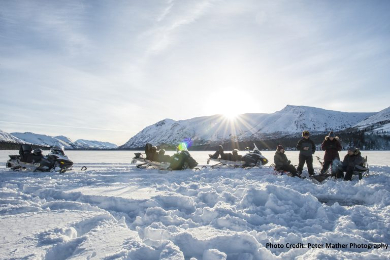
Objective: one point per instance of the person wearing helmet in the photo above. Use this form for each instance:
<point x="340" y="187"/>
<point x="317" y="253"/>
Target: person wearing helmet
<point x="306" y="149"/>
<point x="282" y="163"/>
<point x="331" y="146"/>
<point x="37" y="155"/>
<point x="352" y="159"/>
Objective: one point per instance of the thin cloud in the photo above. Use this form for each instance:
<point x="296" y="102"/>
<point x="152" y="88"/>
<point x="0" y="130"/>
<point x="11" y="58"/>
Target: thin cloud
<point x="65" y="126"/>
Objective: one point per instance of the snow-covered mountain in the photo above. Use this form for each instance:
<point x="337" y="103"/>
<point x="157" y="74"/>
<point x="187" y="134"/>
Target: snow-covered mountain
<point x="67" y="143"/>
<point x="8" y="138"/>
<point x="380" y="122"/>
<point x="88" y="144"/>
<point x="291" y="120"/>
<point x="44" y="140"/>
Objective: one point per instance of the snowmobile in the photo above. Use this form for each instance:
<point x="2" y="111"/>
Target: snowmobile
<point x="33" y="160"/>
<point x="145" y="163"/>
<point x="251" y="159"/>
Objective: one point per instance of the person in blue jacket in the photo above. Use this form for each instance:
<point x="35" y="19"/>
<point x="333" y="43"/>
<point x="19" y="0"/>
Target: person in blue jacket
<point x="306" y="149"/>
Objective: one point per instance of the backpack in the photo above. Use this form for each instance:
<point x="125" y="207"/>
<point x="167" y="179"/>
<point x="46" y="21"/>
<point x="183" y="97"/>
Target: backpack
<point x="182" y="160"/>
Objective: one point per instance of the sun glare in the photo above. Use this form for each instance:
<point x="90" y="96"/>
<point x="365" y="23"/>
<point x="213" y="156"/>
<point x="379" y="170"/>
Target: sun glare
<point x="231" y="115"/>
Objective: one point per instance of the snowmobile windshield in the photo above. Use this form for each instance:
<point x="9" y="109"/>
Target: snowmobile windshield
<point x="57" y="150"/>
<point x="26" y="148"/>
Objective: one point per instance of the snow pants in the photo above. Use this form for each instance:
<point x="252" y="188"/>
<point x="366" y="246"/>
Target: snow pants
<point x="348" y="173"/>
<point x="288" y="168"/>
<point x="326" y="165"/>
<point x="309" y="162"/>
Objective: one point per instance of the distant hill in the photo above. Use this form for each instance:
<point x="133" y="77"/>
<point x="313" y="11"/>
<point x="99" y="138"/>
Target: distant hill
<point x="13" y="140"/>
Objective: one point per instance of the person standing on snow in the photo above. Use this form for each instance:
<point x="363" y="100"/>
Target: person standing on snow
<point x="307" y="148"/>
<point x="331" y="145"/>
<point x="282" y="163"/>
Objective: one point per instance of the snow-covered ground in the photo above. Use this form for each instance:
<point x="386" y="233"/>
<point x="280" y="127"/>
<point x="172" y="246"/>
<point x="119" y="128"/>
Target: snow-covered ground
<point x="116" y="211"/>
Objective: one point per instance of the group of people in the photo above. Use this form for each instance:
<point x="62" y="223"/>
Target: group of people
<point x="153" y="154"/>
<point x="181" y="160"/>
<point x="306" y="147"/>
<point x="331" y="145"/>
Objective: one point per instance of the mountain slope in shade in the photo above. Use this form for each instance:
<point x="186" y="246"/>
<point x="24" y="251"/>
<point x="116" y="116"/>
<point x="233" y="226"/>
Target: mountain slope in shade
<point x="87" y="144"/>
<point x="379" y="122"/>
<point x="291" y="120"/>
<point x="8" y="138"/>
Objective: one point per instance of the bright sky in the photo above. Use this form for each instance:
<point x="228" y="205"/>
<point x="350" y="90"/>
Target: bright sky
<point x="104" y="70"/>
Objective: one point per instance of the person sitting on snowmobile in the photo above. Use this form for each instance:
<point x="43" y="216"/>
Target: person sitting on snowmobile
<point x="282" y="163"/>
<point x="151" y="152"/>
<point x="182" y="159"/>
<point x="37" y="155"/>
<point x="307" y="148"/>
<point x="162" y="157"/>
<point x="351" y="160"/>
<point x="235" y="156"/>
<point x="219" y="152"/>
<point x="331" y="145"/>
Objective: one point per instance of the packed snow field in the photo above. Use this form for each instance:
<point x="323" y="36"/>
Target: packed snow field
<point x="117" y="211"/>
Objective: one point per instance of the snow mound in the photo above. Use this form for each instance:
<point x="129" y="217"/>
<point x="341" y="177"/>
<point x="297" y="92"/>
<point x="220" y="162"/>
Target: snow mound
<point x="120" y="212"/>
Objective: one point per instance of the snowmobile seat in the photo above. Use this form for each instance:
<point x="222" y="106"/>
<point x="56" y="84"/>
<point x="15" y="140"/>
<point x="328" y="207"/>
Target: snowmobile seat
<point x="14" y="157"/>
<point x="25" y="152"/>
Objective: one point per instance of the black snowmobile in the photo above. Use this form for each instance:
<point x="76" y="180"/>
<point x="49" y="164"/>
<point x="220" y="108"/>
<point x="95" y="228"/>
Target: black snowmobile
<point x="33" y="160"/>
<point x="251" y="159"/>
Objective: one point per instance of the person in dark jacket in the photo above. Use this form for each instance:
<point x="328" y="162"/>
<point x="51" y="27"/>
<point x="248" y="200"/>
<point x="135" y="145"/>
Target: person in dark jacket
<point x="282" y="163"/>
<point x="331" y="146"/>
<point x="306" y="149"/>
<point x="162" y="157"/>
<point x="219" y="152"/>
<point x="351" y="160"/>
<point x="235" y="156"/>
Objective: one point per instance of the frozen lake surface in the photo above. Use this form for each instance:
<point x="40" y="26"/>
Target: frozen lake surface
<point x="381" y="158"/>
<point x="117" y="211"/>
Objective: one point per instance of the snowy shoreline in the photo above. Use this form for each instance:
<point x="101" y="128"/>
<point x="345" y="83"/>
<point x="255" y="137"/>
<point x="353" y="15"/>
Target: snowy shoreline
<point x="116" y="211"/>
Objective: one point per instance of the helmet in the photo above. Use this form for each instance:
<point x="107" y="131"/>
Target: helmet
<point x="37" y="151"/>
<point x="279" y="147"/>
<point x="235" y="151"/>
<point x="305" y="133"/>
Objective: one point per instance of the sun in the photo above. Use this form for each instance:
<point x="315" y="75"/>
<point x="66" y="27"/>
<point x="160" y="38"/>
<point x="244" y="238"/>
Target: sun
<point x="231" y="115"/>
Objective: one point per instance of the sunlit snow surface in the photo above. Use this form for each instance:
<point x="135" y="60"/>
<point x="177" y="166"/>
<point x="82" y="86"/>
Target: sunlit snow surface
<point x="116" y="211"/>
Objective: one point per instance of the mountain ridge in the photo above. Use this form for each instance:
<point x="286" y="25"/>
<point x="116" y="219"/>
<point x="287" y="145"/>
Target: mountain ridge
<point x="47" y="141"/>
<point x="290" y="121"/>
